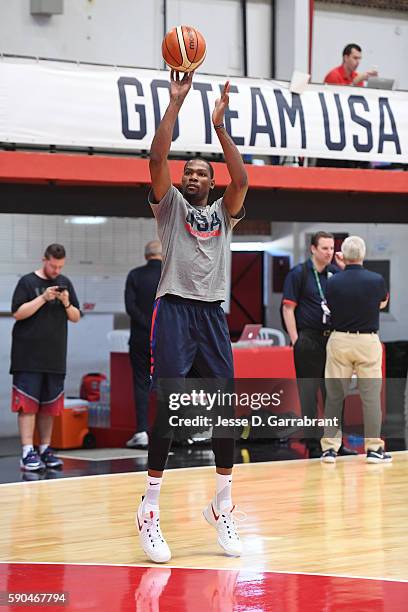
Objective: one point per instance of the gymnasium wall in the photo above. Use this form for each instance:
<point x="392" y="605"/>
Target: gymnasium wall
<point x="129" y="32"/>
<point x="292" y="37"/>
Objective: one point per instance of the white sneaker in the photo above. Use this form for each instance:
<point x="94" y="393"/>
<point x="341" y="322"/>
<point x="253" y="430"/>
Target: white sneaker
<point x="228" y="537"/>
<point x="139" y="440"/>
<point x="151" y="537"/>
<point x="378" y="456"/>
<point x="329" y="456"/>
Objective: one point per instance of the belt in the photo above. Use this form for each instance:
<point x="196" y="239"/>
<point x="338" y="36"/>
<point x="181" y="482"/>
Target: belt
<point x="317" y="332"/>
<point x="342" y="331"/>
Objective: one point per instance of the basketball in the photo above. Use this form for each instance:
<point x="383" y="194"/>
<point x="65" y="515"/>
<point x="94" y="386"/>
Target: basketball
<point x="183" y="48"/>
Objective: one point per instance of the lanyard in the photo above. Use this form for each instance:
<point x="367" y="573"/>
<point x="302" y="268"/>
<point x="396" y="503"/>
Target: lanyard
<point x="323" y="303"/>
<point x="319" y="285"/>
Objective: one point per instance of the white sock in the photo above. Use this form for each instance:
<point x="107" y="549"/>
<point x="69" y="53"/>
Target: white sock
<point x="26" y="449"/>
<point x="42" y="448"/>
<point x="151" y="498"/>
<point x="223" y="494"/>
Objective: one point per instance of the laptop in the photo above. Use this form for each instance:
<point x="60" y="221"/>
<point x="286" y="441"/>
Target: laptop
<point x="250" y="332"/>
<point x="380" y="83"/>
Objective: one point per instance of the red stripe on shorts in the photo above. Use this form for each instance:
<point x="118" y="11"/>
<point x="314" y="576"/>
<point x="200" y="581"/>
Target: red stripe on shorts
<point x="20" y="401"/>
<point x="152" y="330"/>
<point x="54" y="407"/>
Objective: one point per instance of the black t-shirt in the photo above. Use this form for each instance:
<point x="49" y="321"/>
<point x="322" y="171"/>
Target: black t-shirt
<point x="354" y="299"/>
<point x="308" y="310"/>
<point x="39" y="343"/>
<point x="140" y="293"/>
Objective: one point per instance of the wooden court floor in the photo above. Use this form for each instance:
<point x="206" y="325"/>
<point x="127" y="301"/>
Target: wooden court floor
<point x="348" y="519"/>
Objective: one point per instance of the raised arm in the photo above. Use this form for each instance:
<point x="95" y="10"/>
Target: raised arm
<point x="159" y="150"/>
<point x="236" y="191"/>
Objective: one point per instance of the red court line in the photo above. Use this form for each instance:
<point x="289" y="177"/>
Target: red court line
<point x="123" y="588"/>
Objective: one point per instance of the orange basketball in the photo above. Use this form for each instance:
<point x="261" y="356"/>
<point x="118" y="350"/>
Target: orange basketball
<point x="184" y="48"/>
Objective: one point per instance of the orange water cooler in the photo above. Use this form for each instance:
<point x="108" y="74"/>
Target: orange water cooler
<point x="70" y="429"/>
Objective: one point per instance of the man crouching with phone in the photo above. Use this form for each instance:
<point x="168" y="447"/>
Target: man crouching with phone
<point x="42" y="303"/>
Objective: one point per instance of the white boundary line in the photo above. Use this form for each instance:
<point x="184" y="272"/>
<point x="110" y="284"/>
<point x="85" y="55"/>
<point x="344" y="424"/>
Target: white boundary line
<point x="215" y="569"/>
<point x="197" y="467"/>
<point x="63" y="456"/>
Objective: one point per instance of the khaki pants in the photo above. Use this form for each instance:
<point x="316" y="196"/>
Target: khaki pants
<point x="362" y="354"/>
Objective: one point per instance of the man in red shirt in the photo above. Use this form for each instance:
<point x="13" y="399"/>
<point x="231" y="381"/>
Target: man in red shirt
<point x="346" y="73"/>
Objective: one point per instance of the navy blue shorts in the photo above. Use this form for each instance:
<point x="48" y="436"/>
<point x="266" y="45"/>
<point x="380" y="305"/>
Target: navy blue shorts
<point x="189" y="336"/>
<point x="38" y="392"/>
<point x="189" y="339"/>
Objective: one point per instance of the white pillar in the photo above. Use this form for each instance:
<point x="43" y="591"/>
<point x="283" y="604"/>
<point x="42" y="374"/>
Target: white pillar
<point x="292" y="37"/>
<point x="298" y="254"/>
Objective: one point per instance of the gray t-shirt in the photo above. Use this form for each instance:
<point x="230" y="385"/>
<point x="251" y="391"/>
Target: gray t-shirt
<point x="196" y="242"/>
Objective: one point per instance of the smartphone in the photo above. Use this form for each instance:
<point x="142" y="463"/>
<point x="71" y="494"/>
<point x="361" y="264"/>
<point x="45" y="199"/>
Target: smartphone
<point x="61" y="288"/>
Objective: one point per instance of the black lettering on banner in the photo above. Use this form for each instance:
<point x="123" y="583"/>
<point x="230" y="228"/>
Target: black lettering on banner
<point x="231" y="114"/>
<point x="155" y="85"/>
<point x="384" y="104"/>
<point x="257" y="128"/>
<point x="361" y="147"/>
<point x="333" y="146"/>
<point x="204" y="88"/>
<point x="291" y="111"/>
<point x="123" y="83"/>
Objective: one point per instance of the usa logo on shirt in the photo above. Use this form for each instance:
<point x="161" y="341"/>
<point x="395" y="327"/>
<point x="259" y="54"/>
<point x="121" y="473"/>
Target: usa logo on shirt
<point x="197" y="224"/>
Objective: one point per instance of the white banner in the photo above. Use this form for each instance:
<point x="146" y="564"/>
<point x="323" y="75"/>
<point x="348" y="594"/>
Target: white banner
<point x="68" y="105"/>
